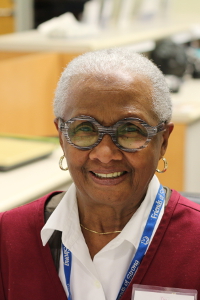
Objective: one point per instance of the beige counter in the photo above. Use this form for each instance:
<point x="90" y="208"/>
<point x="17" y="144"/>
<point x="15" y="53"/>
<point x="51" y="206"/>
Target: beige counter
<point x="34" y="180"/>
<point x="30" y="41"/>
<point x="186" y="103"/>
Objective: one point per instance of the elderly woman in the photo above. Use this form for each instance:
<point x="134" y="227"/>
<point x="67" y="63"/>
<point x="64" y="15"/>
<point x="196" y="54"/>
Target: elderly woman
<point x="116" y="225"/>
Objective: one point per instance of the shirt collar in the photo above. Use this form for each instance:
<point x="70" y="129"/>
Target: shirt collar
<point x="65" y="218"/>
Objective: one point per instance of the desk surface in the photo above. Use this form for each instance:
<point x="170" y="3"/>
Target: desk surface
<point x="29" y="182"/>
<point x="186" y="103"/>
<point x="35" y="41"/>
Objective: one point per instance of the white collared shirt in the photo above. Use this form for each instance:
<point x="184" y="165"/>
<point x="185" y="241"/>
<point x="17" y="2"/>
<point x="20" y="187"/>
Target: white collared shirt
<point x="102" y="277"/>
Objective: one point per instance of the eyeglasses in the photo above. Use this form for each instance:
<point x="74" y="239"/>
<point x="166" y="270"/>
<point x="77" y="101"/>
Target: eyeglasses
<point x="129" y="134"/>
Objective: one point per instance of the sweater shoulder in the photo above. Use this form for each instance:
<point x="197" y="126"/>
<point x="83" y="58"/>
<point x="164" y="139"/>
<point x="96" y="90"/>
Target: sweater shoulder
<point x="185" y="210"/>
<point x="183" y="201"/>
<point x="25" y="215"/>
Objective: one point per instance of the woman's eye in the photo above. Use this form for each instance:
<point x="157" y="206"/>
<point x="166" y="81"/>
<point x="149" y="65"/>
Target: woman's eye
<point x="128" y="128"/>
<point x="131" y="130"/>
<point x="84" y="127"/>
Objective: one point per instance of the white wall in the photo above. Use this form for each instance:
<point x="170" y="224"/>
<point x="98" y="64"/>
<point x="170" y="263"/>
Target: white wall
<point x="185" y="8"/>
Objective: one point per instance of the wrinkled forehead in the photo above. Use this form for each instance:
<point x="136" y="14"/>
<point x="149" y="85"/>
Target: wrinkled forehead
<point x="120" y="80"/>
<point x="96" y="90"/>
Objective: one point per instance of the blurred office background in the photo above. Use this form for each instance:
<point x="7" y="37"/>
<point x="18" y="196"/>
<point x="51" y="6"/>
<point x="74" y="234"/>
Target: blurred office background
<point x="39" y="37"/>
<point x="18" y="15"/>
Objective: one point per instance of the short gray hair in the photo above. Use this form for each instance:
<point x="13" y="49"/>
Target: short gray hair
<point x="109" y="61"/>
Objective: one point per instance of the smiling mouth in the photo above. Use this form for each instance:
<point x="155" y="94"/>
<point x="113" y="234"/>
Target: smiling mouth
<point x="109" y="175"/>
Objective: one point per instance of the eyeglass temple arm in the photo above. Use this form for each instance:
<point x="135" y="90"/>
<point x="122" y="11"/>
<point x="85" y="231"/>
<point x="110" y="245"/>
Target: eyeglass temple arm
<point x="161" y="126"/>
<point x="60" y="123"/>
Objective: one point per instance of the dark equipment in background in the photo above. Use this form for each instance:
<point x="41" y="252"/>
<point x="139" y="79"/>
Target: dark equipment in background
<point x="175" y="61"/>
<point x="45" y="10"/>
<point x="172" y="61"/>
<point x="193" y="62"/>
<point x="170" y="57"/>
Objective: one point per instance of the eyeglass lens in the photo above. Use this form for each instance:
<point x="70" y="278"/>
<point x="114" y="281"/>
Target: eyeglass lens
<point x="83" y="133"/>
<point x="129" y="134"/>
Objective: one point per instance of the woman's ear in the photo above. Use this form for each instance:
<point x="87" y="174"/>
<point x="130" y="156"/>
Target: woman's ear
<point x="59" y="133"/>
<point x="168" y="130"/>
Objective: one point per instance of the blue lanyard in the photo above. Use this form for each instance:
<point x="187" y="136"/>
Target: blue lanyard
<point x="144" y="242"/>
<point x="145" y="239"/>
<point x="67" y="261"/>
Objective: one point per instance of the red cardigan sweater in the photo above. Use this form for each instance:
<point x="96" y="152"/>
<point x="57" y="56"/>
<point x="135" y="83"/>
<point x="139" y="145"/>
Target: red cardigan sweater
<point x="27" y="271"/>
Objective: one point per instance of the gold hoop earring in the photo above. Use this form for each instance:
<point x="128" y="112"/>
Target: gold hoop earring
<point x="60" y="163"/>
<point x="165" y="166"/>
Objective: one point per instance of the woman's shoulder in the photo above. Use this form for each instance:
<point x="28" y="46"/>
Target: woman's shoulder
<point x="189" y="200"/>
<point x="184" y="209"/>
<point x="27" y="213"/>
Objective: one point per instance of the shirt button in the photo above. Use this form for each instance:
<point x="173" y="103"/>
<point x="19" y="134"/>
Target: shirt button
<point x="97" y="284"/>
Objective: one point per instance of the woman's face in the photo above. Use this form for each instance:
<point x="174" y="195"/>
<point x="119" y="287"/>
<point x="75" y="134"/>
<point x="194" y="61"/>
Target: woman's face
<point x="108" y="100"/>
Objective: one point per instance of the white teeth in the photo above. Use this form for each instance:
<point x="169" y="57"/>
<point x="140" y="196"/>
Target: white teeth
<point x="110" y="175"/>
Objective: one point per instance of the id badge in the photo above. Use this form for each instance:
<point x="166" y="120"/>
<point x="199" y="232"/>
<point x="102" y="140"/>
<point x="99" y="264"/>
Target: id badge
<point x="147" y="292"/>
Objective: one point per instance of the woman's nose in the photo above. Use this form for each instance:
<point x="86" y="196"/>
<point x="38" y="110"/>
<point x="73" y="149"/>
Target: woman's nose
<point x="106" y="151"/>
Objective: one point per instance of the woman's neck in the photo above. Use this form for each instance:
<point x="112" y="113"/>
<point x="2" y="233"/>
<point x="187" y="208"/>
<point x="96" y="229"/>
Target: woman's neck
<point x="104" y="219"/>
<point x="100" y="219"/>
